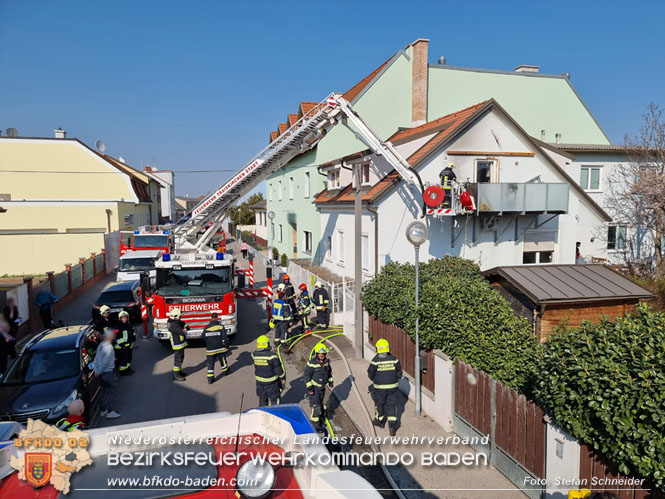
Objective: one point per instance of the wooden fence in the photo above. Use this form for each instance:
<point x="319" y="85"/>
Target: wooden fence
<point x="403" y="347"/>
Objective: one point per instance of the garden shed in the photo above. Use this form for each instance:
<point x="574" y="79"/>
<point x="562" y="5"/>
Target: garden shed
<point x="547" y="295"/>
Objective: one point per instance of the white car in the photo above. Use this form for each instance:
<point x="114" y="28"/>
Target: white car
<point x="134" y="263"/>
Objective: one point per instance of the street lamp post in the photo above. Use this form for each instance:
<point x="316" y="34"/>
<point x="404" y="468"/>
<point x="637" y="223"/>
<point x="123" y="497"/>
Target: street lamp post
<point x="417" y="234"/>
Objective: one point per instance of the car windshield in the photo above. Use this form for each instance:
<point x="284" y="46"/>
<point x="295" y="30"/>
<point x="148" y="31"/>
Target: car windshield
<point x="129" y="264"/>
<point x="115" y="297"/>
<point x="40" y="366"/>
<point x="193" y="282"/>
<point x="151" y="241"/>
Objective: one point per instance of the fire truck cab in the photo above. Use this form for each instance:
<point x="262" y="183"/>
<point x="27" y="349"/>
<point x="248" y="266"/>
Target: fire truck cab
<point x="198" y="284"/>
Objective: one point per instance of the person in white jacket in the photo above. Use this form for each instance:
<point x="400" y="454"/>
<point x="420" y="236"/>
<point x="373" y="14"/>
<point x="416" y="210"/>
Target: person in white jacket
<point x="104" y="367"/>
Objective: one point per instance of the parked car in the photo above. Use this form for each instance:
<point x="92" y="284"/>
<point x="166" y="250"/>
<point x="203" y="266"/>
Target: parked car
<point x="121" y="295"/>
<point x="134" y="263"/>
<point x="50" y="373"/>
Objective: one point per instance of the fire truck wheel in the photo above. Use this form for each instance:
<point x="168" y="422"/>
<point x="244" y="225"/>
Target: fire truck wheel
<point x="433" y="196"/>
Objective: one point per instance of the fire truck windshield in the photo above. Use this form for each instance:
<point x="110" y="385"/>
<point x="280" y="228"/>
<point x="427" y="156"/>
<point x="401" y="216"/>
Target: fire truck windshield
<point x="193" y="282"/>
<point x="141" y="263"/>
<point x="151" y="241"/>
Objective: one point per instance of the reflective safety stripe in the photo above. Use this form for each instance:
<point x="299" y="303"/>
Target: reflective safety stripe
<point x="219" y="350"/>
<point x="124" y="368"/>
<point x="392" y="418"/>
<point x="178" y="347"/>
<point x="386" y="387"/>
<point x="176" y="369"/>
<point x="313" y="365"/>
<point x="384" y="362"/>
<point x="266" y="380"/>
<point x="215" y="328"/>
<point x="312" y="382"/>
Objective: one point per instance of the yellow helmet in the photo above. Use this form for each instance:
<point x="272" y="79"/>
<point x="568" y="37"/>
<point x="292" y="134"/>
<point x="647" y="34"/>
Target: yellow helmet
<point x="175" y="313"/>
<point x="321" y="348"/>
<point x="262" y="342"/>
<point x="382" y="346"/>
<point x="104" y="309"/>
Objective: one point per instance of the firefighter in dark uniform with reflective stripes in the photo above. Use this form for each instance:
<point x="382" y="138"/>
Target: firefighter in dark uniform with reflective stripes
<point x="217" y="346"/>
<point x="103" y="321"/>
<point x="125" y="336"/>
<point x="385" y="373"/>
<point x="269" y="373"/>
<point x="281" y="316"/>
<point x="318" y="374"/>
<point x="447" y="177"/>
<point x="304" y="307"/>
<point x="178" y="331"/>
<point x="290" y="294"/>
<point x="321" y="300"/>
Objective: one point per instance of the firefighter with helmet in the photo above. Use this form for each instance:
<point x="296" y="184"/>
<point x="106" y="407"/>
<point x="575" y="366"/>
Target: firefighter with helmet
<point x="447" y="177"/>
<point x="290" y="294"/>
<point x="385" y="372"/>
<point x="318" y="374"/>
<point x="178" y="330"/>
<point x="125" y="336"/>
<point x="217" y="346"/>
<point x="321" y="300"/>
<point x="268" y="372"/>
<point x="281" y="315"/>
<point x="304" y="307"/>
<point x="104" y="320"/>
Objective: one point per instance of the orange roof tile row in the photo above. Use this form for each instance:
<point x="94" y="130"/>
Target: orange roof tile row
<point x="346" y="195"/>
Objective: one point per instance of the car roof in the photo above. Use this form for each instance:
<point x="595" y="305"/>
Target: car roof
<point x="58" y="338"/>
<point x="121" y="286"/>
<point x="142" y="254"/>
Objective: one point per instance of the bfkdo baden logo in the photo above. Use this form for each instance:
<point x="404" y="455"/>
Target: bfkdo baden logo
<point x="37" y="468"/>
<point x="50" y="455"/>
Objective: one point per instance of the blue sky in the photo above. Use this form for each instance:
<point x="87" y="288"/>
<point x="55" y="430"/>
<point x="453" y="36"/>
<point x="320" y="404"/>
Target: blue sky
<point x="198" y="85"/>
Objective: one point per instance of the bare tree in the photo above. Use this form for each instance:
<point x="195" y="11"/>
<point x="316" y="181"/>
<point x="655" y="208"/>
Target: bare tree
<point x="637" y="195"/>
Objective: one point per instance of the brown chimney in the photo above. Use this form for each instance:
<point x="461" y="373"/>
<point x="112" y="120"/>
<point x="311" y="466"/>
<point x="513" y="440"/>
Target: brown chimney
<point x="419" y="82"/>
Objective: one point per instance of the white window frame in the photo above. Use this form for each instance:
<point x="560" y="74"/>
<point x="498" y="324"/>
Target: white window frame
<point x="291" y="188"/>
<point x="279" y="190"/>
<point x="538" y="262"/>
<point x="270" y="191"/>
<point x="589" y="168"/>
<point x="329" y="248"/>
<point x="365" y="179"/>
<point x="364" y="238"/>
<point x="281" y="233"/>
<point x="493" y="169"/>
<point x="334" y="178"/>
<point x="616" y="227"/>
<point x="307" y="185"/>
<point x="307" y="244"/>
<point x="272" y="231"/>
<point x="340" y="246"/>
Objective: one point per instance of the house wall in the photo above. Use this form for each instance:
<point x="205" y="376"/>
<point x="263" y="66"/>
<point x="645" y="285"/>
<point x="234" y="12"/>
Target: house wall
<point x="385" y="105"/>
<point x="56" y="218"/>
<point x="573" y="314"/>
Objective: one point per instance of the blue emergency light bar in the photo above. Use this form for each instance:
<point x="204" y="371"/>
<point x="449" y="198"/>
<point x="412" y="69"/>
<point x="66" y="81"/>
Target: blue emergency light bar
<point x="165" y="232"/>
<point x="166" y="257"/>
<point x="136" y="232"/>
<point x="219" y="256"/>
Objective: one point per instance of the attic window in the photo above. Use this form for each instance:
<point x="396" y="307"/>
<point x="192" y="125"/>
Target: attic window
<point x="333" y="179"/>
<point x="365" y="174"/>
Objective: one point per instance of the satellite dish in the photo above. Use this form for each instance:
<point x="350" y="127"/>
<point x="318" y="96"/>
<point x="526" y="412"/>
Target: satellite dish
<point x="101" y="147"/>
<point x="271" y="214"/>
<point x="12" y="132"/>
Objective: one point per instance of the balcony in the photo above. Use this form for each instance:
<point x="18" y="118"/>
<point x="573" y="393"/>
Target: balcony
<point x="508" y="197"/>
<point x="520" y="198"/>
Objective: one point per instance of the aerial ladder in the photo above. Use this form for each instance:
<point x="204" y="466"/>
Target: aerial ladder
<point x="301" y="137"/>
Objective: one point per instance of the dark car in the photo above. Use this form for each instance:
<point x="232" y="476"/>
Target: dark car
<point x="51" y="372"/>
<point x="119" y="296"/>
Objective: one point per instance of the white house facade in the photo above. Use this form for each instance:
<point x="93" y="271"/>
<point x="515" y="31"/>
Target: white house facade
<point x="528" y="209"/>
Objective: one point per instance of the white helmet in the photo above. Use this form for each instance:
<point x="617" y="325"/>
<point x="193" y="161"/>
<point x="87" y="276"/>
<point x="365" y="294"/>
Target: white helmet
<point x="281" y="287"/>
<point x="318" y="284"/>
<point x="122" y="314"/>
<point x="104" y="309"/>
<point x="175" y="313"/>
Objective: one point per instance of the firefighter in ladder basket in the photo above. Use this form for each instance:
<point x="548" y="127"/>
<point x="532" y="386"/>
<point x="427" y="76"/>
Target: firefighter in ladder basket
<point x="447" y="177"/>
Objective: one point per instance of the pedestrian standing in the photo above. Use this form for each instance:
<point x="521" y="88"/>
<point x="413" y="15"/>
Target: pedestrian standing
<point x="244" y="248"/>
<point x="11" y="316"/>
<point x="217" y="346"/>
<point x="385" y="372"/>
<point x="268" y="372"/>
<point x="321" y="300"/>
<point x="44" y="301"/>
<point x="125" y="336"/>
<point x="104" y="367"/>
<point x="318" y="374"/>
<point x="178" y="338"/>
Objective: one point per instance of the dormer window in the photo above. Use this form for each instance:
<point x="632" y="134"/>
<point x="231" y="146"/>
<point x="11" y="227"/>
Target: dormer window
<point x="333" y="179"/>
<point x="364" y="172"/>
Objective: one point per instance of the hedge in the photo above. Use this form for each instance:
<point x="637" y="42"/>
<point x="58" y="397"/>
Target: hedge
<point x="460" y="313"/>
<point x="605" y="384"/>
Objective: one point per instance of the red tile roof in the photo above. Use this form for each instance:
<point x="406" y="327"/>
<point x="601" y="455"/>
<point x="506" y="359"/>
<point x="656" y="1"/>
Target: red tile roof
<point x="306" y="107"/>
<point x="346" y="194"/>
<point x="282" y="128"/>
<point x="291" y="119"/>
<point x="273" y="135"/>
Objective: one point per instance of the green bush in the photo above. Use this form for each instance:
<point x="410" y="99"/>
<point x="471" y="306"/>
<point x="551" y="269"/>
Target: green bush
<point x="275" y="254"/>
<point x="284" y="260"/>
<point x="605" y="384"/>
<point x="460" y="313"/>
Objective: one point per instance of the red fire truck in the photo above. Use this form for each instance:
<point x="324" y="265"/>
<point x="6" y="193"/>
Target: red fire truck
<point x="145" y="239"/>
<point x="198" y="285"/>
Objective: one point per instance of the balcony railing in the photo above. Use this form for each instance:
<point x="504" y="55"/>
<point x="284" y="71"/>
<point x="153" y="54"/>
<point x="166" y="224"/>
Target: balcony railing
<point x="520" y="197"/>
